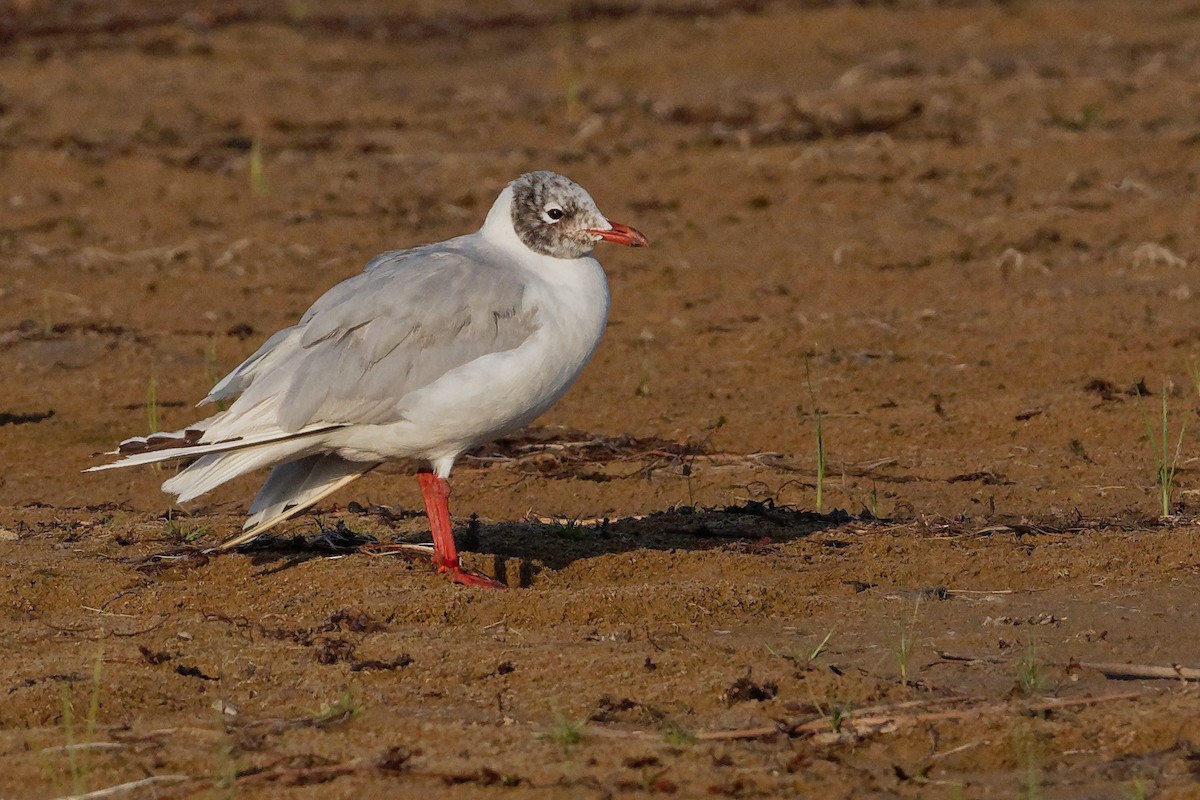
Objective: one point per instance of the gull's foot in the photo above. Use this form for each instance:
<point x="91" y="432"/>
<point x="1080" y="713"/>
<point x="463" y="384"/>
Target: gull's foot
<point x="457" y="574"/>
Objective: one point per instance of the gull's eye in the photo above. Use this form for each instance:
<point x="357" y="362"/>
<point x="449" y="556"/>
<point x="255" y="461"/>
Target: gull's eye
<point x="552" y="213"/>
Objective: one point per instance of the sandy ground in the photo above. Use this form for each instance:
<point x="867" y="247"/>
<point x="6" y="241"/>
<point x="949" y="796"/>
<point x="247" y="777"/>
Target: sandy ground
<point x="955" y="239"/>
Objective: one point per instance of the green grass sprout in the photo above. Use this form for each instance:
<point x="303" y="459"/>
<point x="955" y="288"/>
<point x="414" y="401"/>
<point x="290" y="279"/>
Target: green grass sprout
<point x="820" y="439"/>
<point x="1166" y="463"/>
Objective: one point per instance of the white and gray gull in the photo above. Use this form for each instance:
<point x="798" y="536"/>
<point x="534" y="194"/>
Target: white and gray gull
<point x="425" y="354"/>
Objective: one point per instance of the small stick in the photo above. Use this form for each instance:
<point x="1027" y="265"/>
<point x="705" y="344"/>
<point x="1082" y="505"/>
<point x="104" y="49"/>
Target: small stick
<point x="62" y="748"/>
<point x="966" y="658"/>
<point x="987" y="591"/>
<point x="120" y="788"/>
<point x="402" y="549"/>
<point x="958" y="749"/>
<point x="107" y="613"/>
<point x="1113" y="670"/>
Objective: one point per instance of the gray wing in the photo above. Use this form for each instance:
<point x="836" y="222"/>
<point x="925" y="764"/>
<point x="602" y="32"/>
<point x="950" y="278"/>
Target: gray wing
<point x="409" y="318"/>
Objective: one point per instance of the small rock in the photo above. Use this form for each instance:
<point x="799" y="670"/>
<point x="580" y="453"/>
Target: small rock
<point x="225" y="707"/>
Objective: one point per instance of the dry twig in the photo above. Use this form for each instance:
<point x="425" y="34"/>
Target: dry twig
<point x="1111" y="669"/>
<point x="122" y="788"/>
<point x="1133" y="671"/>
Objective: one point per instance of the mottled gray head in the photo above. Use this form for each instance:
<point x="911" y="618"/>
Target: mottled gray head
<point x="554" y="216"/>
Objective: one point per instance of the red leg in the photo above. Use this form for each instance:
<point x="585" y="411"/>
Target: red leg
<point x="436" y="492"/>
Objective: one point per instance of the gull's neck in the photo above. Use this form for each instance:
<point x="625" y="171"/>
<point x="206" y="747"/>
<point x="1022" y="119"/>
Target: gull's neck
<point x="498" y="227"/>
<point x="499" y="232"/>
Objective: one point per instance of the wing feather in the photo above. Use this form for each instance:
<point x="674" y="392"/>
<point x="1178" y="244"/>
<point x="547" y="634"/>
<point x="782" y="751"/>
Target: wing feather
<point x="407" y="320"/>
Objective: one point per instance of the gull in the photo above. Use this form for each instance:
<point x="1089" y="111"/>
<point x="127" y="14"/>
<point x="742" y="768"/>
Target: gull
<point x="423" y="355"/>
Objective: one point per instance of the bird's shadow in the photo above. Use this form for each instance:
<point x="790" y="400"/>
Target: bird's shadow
<point x="530" y="546"/>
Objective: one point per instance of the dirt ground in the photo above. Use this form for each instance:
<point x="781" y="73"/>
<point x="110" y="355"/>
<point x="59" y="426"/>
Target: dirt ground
<point x="953" y="240"/>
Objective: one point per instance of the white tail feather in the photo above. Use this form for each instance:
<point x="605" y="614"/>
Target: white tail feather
<point x="212" y="470"/>
<point x="314" y="495"/>
<point x="293" y="483"/>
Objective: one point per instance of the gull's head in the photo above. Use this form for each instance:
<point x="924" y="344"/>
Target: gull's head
<point x="554" y="216"/>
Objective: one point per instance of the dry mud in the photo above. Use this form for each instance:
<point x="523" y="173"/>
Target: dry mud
<point x="958" y="239"/>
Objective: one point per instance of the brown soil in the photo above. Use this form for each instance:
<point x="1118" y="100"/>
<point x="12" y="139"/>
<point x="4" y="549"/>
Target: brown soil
<point x="954" y="238"/>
